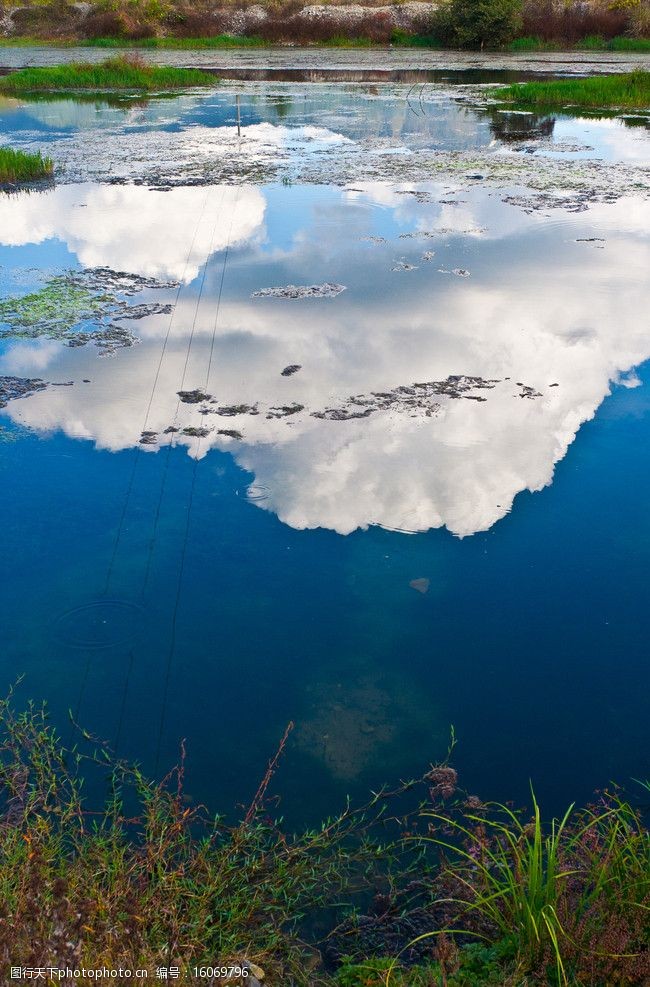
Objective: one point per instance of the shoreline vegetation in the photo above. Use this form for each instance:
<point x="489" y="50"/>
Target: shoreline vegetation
<point x="19" y="167"/>
<point x="130" y="73"/>
<point x="126" y="74"/>
<point x="630" y="91"/>
<point x="398" y="39"/>
<point x="491" y="25"/>
<point x="439" y="887"/>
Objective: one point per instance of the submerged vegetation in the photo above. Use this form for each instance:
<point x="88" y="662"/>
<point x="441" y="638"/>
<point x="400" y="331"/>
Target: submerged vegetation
<point x="628" y="91"/>
<point x="122" y="73"/>
<point x="494" y="897"/>
<point x="19" y="166"/>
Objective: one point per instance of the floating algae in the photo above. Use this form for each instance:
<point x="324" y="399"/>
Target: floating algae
<point x="12" y="388"/>
<point x="416" y="400"/>
<point x="53" y="310"/>
<point x="81" y="307"/>
<point x="326" y="290"/>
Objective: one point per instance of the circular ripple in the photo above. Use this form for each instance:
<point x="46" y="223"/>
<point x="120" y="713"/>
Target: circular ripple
<point x="101" y="624"/>
<point x="257" y="491"/>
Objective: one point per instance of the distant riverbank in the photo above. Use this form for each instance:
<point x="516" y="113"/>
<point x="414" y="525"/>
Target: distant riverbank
<point x="520" y="26"/>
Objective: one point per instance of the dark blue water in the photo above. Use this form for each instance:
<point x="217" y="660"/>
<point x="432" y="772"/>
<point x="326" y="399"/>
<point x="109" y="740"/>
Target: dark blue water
<point x="375" y="580"/>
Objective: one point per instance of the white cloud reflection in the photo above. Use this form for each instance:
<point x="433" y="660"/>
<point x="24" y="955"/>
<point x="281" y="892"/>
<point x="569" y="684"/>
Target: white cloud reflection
<point x="539" y="308"/>
<point x="127" y="228"/>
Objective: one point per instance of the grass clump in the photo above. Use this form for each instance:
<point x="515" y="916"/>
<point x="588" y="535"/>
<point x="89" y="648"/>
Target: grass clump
<point x="121" y="73"/>
<point x="182" y="44"/>
<point x="20" y="166"/>
<point x="569" y="901"/>
<point x="629" y="44"/>
<point x="628" y="91"/>
<point x="592" y="42"/>
<point x="474" y="965"/>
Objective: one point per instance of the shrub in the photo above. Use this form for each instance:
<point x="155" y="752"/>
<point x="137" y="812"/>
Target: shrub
<point x="58" y="19"/>
<point x="478" y="23"/>
<point x="571" y="23"/>
<point x="376" y="28"/>
<point x="115" y="24"/>
<point x="195" y="24"/>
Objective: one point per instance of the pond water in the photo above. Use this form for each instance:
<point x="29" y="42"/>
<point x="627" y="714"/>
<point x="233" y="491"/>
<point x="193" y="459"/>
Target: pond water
<point x="331" y="404"/>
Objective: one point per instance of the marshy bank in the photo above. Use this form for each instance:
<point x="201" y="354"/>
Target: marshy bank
<point x="622" y="92"/>
<point x="438" y="886"/>
<point x="125" y="73"/>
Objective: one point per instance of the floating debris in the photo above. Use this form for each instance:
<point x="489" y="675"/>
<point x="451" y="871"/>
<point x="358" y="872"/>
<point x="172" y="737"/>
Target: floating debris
<point x="373" y="239"/>
<point x="231" y="410"/>
<point x="342" y="414"/>
<point x="326" y="290"/>
<point x="285" y="410"/>
<point x="121" y="282"/>
<point x="428" y="255"/>
<point x="598" y="242"/>
<point x="196" y="433"/>
<point x="403" y="265"/>
<point x="107" y="340"/>
<point x="416" y="400"/>
<point x="197" y="396"/>
<point x="420" y="585"/>
<point x="419" y="235"/>
<point x="12" y="388"/>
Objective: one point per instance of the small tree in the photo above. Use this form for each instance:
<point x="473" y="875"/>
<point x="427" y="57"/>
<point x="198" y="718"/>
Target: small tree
<point x="481" y="23"/>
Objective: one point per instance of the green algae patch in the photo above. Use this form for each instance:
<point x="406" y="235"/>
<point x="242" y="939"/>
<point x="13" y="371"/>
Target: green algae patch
<point x="56" y="308"/>
<point x="19" y="166"/>
<point x="114" y="74"/>
<point x="81" y="307"/>
<point x="628" y="91"/>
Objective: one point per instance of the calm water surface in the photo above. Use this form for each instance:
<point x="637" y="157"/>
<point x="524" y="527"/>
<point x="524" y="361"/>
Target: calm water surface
<point x="436" y="515"/>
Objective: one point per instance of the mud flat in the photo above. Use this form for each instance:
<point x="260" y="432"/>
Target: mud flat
<point x="272" y="62"/>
